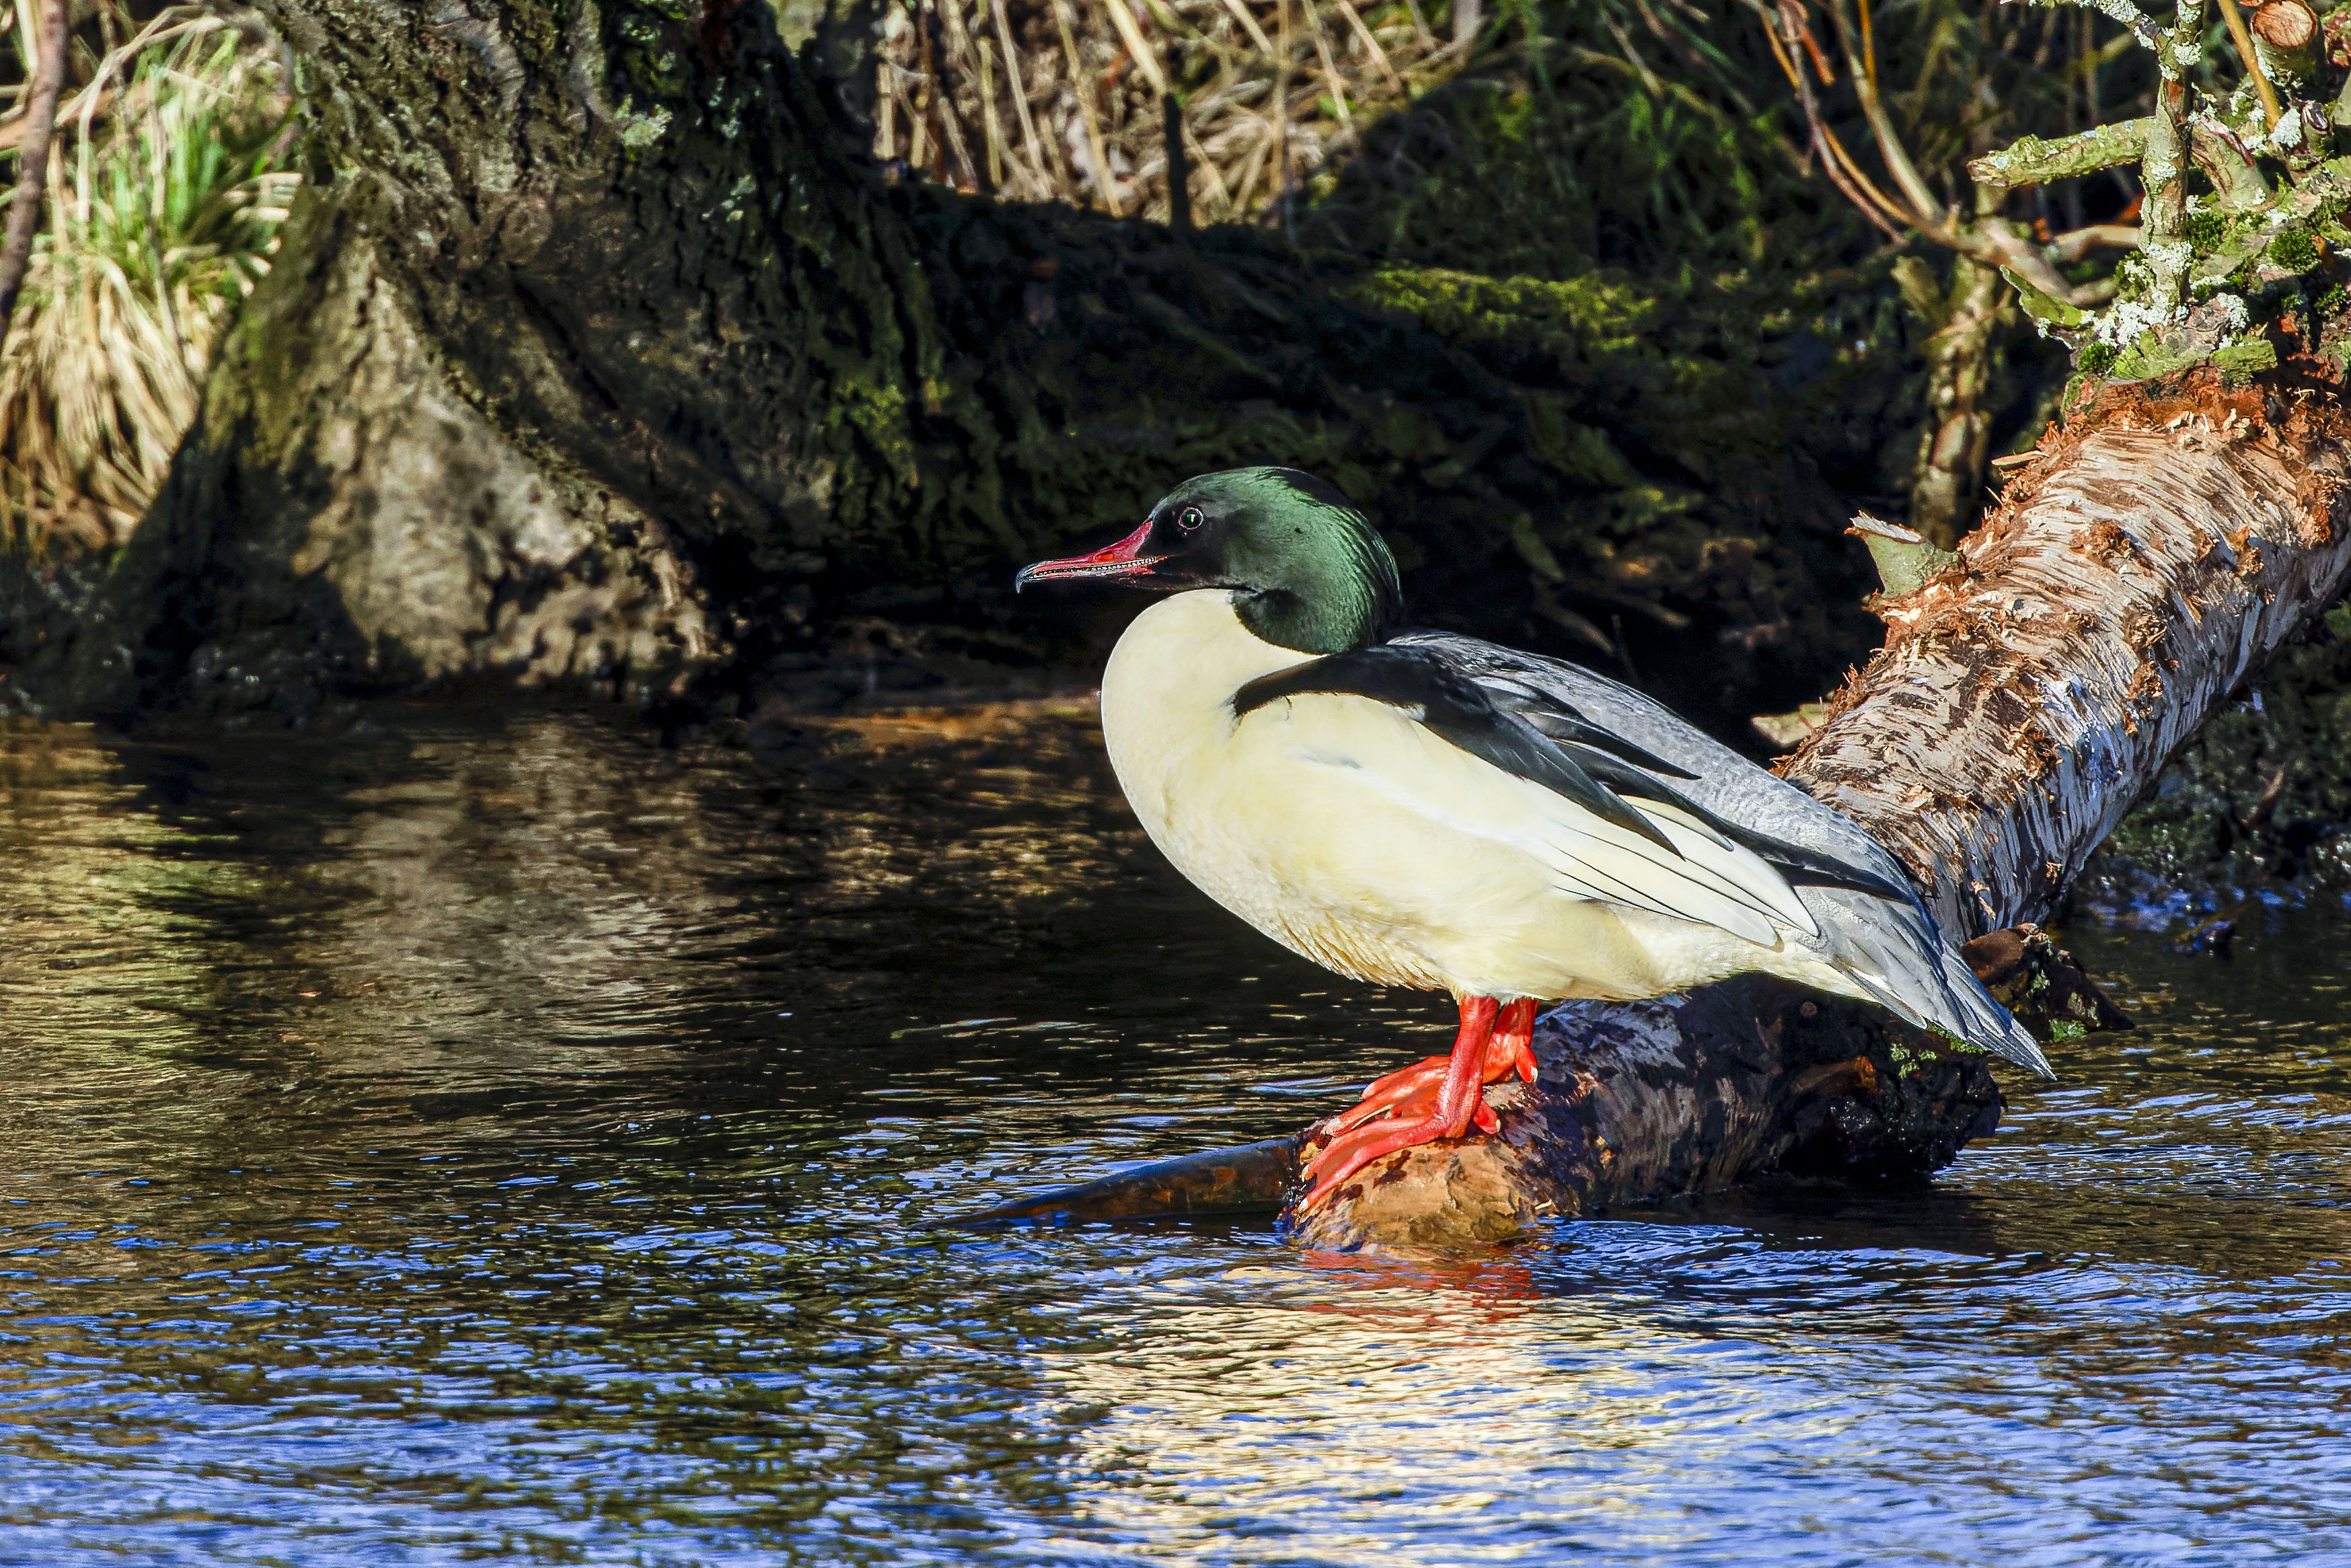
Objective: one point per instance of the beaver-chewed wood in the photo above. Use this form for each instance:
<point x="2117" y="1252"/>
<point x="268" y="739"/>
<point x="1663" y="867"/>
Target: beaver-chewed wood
<point x="2152" y="557"/>
<point x="2145" y="565"/>
<point x="1641" y="1100"/>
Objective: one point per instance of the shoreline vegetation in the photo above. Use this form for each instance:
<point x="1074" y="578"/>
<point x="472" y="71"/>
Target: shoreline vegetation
<point x="1073" y="100"/>
<point x="165" y="193"/>
<point x="1633" y="190"/>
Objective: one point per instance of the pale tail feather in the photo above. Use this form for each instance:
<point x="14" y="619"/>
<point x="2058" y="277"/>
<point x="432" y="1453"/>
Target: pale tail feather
<point x="1877" y="945"/>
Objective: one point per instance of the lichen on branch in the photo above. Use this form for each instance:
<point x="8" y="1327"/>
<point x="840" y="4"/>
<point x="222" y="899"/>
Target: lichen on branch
<point x="2246" y="181"/>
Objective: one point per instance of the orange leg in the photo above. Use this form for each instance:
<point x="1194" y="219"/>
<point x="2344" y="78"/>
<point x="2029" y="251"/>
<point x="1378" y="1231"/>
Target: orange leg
<point x="1461" y="1096"/>
<point x="1514" y="1033"/>
<point x="1511" y="1050"/>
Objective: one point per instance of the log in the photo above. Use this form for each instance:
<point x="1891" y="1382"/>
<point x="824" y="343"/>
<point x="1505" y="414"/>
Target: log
<point x="1247" y="1178"/>
<point x="2147" y="563"/>
<point x="1746" y="1076"/>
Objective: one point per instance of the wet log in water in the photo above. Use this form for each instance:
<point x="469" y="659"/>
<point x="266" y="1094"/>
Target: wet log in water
<point x="2147" y="561"/>
<point x="1638" y="1099"/>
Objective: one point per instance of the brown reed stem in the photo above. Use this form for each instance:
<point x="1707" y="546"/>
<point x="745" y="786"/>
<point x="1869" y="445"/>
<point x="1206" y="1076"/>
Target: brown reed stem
<point x="33" y="156"/>
<point x="1067" y="148"/>
<point x="1371" y="44"/>
<point x="957" y="65"/>
<point x="1082" y="83"/>
<point x="1049" y="185"/>
<point x="1146" y="59"/>
<point x="1281" y="173"/>
<point x="1330" y="67"/>
<point x="991" y="124"/>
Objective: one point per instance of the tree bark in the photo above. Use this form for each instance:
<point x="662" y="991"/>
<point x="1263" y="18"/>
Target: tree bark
<point x="599" y="351"/>
<point x="48" y="50"/>
<point x="2159" y="551"/>
<point x="2143" y="568"/>
<point x="1962" y="355"/>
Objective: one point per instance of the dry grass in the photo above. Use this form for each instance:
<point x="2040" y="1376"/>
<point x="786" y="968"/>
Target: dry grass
<point x="163" y="211"/>
<point x="1063" y="100"/>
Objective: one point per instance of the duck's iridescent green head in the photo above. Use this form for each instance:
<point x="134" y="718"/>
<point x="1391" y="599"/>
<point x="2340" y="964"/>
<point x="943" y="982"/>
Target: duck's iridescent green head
<point x="1308" y="572"/>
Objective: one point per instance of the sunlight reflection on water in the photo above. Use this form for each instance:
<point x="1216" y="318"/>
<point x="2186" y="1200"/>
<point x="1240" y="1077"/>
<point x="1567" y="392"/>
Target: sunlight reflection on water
<point x="495" y="1137"/>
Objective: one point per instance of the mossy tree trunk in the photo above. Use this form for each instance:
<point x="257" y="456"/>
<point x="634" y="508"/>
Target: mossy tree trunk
<point x="570" y="289"/>
<point x="597" y="350"/>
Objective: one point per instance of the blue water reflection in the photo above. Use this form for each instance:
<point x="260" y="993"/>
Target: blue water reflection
<point x="496" y="1138"/>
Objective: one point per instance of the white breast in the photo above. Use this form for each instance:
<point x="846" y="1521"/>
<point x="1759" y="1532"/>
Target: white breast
<point x="1350" y="833"/>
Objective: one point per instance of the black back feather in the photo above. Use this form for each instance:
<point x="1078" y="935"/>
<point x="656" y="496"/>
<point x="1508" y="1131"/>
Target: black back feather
<point x="1548" y="742"/>
<point x="1456" y="708"/>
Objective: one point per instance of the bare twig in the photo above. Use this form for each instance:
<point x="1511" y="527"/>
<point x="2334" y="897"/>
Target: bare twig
<point x="1784" y="24"/>
<point x="2072" y="247"/>
<point x="1988" y="240"/>
<point x="2237" y="34"/>
<point x="33" y="156"/>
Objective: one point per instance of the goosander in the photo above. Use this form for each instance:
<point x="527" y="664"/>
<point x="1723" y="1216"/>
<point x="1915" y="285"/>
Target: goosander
<point x="1425" y="810"/>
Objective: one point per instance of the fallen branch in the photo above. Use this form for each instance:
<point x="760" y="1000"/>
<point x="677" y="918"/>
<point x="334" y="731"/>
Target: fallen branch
<point x="2136" y="575"/>
<point x="2147" y="563"/>
<point x="1636" y="1102"/>
<point x="2150" y="561"/>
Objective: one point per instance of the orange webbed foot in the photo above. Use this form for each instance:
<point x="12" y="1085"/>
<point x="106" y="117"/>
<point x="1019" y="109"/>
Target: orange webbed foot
<point x="1408" y="1087"/>
<point x="1442" y="1097"/>
<point x="1513" y="1042"/>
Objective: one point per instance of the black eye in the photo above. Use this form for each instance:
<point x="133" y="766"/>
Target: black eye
<point x="1190" y="519"/>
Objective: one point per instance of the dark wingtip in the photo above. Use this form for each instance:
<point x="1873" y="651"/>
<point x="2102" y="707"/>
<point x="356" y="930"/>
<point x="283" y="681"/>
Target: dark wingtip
<point x="1804" y="868"/>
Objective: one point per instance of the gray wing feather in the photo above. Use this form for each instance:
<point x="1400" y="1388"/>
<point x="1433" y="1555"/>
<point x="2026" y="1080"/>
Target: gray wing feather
<point x="1892" y="950"/>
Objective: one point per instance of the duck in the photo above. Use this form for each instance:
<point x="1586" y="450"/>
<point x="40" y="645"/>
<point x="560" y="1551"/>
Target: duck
<point x="1425" y="810"/>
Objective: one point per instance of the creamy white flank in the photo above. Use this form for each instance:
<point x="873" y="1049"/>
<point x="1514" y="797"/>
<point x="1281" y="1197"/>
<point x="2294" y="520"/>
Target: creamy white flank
<point x="1349" y="833"/>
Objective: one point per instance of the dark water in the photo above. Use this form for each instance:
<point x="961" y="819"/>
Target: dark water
<point x="491" y="1139"/>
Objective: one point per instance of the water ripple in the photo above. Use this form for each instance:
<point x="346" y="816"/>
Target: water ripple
<point x="493" y="1137"/>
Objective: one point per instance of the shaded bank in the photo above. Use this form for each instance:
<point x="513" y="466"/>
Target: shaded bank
<point x="602" y="355"/>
